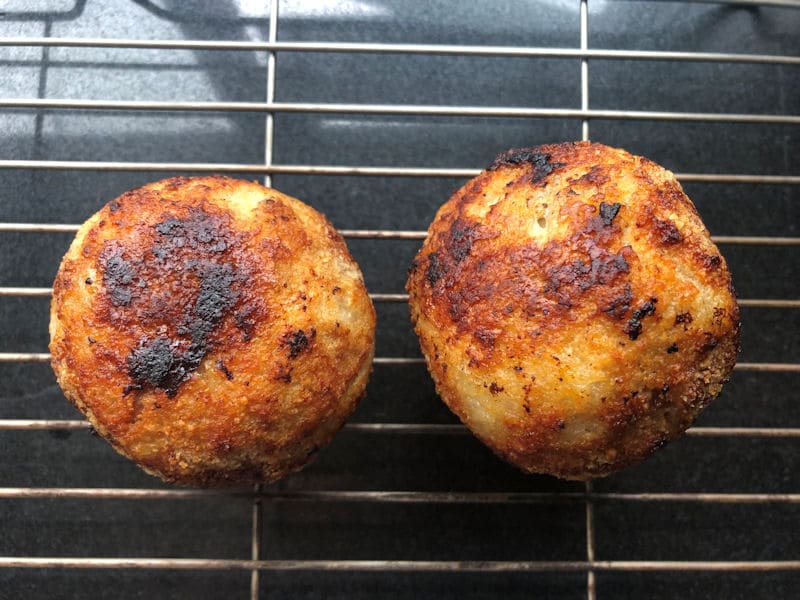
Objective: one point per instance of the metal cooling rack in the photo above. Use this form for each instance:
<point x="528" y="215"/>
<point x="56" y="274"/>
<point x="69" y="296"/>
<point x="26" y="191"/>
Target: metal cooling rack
<point x="588" y="497"/>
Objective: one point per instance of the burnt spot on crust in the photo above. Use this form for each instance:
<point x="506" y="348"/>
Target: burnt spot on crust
<point x="199" y="230"/>
<point x="298" y="341"/>
<point x="668" y="232"/>
<point x="672" y="349"/>
<point x="435" y="270"/>
<point x="683" y="319"/>
<point x="712" y="262"/>
<point x="598" y="270"/>
<point x="460" y="238"/>
<point x="174" y="183"/>
<point x="495" y="389"/>
<point x="246" y="319"/>
<point x="620" y="304"/>
<point x="215" y="297"/>
<point x="530" y="278"/>
<point x="165" y="363"/>
<point x="608" y="212"/>
<point x="456" y="244"/>
<point x="222" y="367"/>
<point x="539" y="161"/>
<point x="173" y="284"/>
<point x="486" y="337"/>
<point x="118" y="275"/>
<point x="597" y="175"/>
<point x="634" y="326"/>
<point x="154" y="363"/>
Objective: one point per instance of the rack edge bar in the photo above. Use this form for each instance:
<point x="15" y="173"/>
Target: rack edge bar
<point x="390" y="565"/>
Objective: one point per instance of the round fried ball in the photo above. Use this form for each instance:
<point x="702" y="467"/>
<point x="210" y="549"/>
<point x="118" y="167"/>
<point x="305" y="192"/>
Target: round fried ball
<point x="214" y="331"/>
<point x="572" y="308"/>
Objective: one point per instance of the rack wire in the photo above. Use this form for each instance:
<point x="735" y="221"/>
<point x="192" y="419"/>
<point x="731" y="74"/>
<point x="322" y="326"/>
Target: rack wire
<point x="589" y="497"/>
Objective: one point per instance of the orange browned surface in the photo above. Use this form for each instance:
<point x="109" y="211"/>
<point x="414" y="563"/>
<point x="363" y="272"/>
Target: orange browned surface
<point x="572" y="308"/>
<point x="215" y="331"/>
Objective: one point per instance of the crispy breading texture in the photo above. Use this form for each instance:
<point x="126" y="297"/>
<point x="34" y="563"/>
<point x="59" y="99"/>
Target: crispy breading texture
<point x="214" y="331"/>
<point x="572" y="308"/>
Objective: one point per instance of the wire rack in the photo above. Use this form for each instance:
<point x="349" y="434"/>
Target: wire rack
<point x="297" y="499"/>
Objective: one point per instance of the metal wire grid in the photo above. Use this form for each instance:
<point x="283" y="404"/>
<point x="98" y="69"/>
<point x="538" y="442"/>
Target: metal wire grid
<point x="269" y="107"/>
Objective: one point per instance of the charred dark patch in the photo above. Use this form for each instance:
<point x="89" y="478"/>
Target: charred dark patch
<point x="495" y="389"/>
<point x="634" y="326"/>
<point x="246" y="320"/>
<point x="620" y="304"/>
<point x="540" y="162"/>
<point x="667" y="232"/>
<point x="216" y="295"/>
<point x="461" y="299"/>
<point x="608" y="212"/>
<point x="712" y="262"/>
<point x="486" y="337"/>
<point x="598" y="270"/>
<point x="298" y="341"/>
<point x="719" y="314"/>
<point x="199" y="230"/>
<point x="539" y="281"/>
<point x="672" y="349"/>
<point x="213" y="300"/>
<point x="460" y="239"/>
<point x="683" y="319"/>
<point x="88" y="281"/>
<point x="597" y="175"/>
<point x="154" y="363"/>
<point x="187" y="255"/>
<point x="191" y="281"/>
<point x="436" y="269"/>
<point x="222" y="367"/>
<point x="174" y="183"/>
<point x="165" y="363"/>
<point x="118" y="275"/>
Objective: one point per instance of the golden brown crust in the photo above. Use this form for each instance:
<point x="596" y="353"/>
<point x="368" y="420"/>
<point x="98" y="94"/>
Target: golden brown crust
<point x="572" y="308"/>
<point x="215" y="331"/>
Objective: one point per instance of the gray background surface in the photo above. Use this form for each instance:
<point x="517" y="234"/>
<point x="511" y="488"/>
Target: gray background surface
<point x="219" y="526"/>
